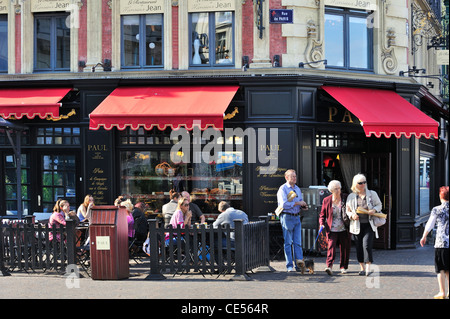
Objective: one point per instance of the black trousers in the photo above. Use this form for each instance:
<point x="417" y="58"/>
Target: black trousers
<point x="364" y="243"/>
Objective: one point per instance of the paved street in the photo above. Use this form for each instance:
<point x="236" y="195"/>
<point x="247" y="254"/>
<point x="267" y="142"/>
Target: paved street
<point x="403" y="274"/>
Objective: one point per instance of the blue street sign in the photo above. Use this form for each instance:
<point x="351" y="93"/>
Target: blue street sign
<point x="281" y="16"/>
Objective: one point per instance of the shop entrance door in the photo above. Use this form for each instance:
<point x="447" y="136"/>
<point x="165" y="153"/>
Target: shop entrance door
<point x="377" y="168"/>
<point x="57" y="180"/>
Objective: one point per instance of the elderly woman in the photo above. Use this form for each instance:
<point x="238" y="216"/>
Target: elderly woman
<point x="361" y="225"/>
<point x="335" y="222"/>
<point x="439" y="217"/>
<point x="130" y="220"/>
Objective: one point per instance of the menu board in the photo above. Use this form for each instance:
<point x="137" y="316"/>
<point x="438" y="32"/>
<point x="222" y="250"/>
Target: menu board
<point x="265" y="185"/>
<point x="98" y="167"/>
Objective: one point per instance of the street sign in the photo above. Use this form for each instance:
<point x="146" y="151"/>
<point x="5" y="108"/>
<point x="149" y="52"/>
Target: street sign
<point x="281" y="16"/>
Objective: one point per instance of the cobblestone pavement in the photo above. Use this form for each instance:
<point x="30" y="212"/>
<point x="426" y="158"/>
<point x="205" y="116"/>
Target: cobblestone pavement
<point x="400" y="274"/>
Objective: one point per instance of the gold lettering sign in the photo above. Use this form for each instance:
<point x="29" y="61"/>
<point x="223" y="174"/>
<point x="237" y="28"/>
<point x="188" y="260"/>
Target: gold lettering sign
<point x="333" y="112"/>
<point x="4" y="5"/>
<point x="141" y="6"/>
<point x="50" y="5"/>
<point x="354" y="4"/>
<point x="211" y="5"/>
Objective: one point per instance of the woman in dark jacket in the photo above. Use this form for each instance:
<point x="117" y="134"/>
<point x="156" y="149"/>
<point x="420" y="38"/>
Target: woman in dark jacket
<point x="334" y="220"/>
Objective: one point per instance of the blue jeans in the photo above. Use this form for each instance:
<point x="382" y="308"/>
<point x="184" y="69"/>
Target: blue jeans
<point x="292" y="233"/>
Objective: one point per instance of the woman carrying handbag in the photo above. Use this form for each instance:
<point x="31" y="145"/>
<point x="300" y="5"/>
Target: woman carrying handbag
<point x="363" y="225"/>
<point x="334" y="220"/>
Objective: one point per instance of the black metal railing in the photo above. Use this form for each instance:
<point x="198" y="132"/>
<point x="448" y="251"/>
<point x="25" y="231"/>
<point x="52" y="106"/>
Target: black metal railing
<point x="27" y="247"/>
<point x="209" y="250"/>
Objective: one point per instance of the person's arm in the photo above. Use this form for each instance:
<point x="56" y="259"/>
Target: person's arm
<point x="377" y="205"/>
<point x="218" y="221"/>
<point x="283" y="201"/>
<point x="350" y="207"/>
<point x="60" y="219"/>
<point x="428" y="227"/>
<point x="187" y="219"/>
<point x="322" y="214"/>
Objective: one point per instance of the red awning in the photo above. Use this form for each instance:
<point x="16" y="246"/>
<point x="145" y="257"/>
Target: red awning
<point x="384" y="112"/>
<point x="163" y="107"/>
<point x="19" y="102"/>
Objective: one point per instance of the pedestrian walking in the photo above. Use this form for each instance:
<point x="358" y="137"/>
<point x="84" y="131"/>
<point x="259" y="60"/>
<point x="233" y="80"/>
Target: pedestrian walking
<point x="290" y="198"/>
<point x="362" y="225"/>
<point x="439" y="217"/>
<point x="335" y="221"/>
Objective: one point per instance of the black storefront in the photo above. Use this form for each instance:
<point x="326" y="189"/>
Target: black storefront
<point x="316" y="135"/>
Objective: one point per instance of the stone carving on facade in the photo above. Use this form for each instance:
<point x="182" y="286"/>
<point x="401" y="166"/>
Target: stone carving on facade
<point x="388" y="60"/>
<point x="314" y="48"/>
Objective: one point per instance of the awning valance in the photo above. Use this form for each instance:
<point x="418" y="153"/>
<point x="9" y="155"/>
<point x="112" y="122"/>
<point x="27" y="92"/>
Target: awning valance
<point x="31" y="102"/>
<point x="384" y="112"/>
<point x="162" y="107"/>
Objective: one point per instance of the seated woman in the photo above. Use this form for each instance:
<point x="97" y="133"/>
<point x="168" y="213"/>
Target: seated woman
<point x="58" y="218"/>
<point x="182" y="216"/>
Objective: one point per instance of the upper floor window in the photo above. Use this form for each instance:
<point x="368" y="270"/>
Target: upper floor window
<point x="142" y="41"/>
<point x="3" y="43"/>
<point x="212" y="39"/>
<point x="348" y="39"/>
<point x="51" y="43"/>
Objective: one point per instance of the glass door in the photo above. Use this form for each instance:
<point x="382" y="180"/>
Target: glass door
<point x="58" y="181"/>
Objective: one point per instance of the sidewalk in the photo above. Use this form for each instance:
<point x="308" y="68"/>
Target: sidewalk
<point x="403" y="274"/>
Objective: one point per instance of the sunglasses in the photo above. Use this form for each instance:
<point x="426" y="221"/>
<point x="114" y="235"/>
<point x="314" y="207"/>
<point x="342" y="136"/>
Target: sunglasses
<point x="362" y="183"/>
<point x="185" y="204"/>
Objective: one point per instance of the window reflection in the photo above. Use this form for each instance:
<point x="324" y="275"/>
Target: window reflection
<point x="142" y="40"/>
<point x="334" y="39"/>
<point x="224" y="37"/>
<point x="4" y="42"/>
<point x="359" y="50"/>
<point x="348" y="39"/>
<point x="425" y="166"/>
<point x="212" y="32"/>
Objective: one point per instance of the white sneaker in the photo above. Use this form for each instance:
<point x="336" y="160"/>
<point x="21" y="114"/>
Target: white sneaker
<point x="329" y="271"/>
<point x="343" y="271"/>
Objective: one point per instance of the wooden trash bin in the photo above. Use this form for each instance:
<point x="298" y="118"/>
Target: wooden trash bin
<point x="108" y="233"/>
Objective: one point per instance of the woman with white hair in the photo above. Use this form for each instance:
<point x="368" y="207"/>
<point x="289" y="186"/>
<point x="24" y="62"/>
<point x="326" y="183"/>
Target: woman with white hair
<point x="361" y="225"/>
<point x="335" y="222"/>
<point x="130" y="220"/>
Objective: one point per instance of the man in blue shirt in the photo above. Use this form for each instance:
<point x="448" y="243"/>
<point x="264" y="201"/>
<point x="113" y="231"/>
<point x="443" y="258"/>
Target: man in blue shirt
<point x="290" y="220"/>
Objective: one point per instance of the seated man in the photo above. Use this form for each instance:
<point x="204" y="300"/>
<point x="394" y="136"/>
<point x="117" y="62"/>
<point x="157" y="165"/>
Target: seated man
<point x="169" y="208"/>
<point x="228" y="215"/>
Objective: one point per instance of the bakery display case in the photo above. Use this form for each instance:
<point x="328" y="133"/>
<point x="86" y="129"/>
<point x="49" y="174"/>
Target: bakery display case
<point x="149" y="176"/>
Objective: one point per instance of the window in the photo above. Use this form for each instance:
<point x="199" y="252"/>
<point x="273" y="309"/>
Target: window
<point x="339" y="140"/>
<point x="3" y="43"/>
<point x="212" y="39"/>
<point x="58" y="136"/>
<point x="144" y="137"/>
<point x="24" y="137"/>
<point x="348" y="39"/>
<point x="11" y="184"/>
<point x="51" y="43"/>
<point x="142" y="41"/>
<point x="149" y="172"/>
<point x="425" y="176"/>
<point x="58" y="180"/>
